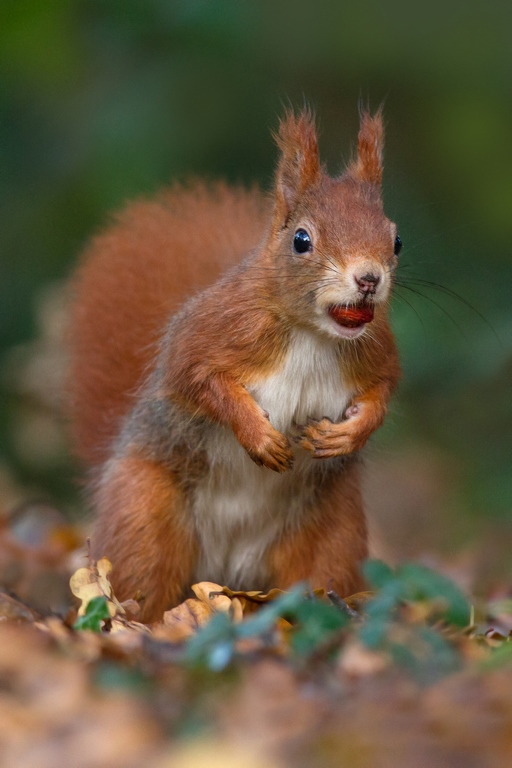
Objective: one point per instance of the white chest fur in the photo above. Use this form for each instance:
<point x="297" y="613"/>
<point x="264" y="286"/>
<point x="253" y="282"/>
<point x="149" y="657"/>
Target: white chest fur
<point x="241" y="508"/>
<point x="309" y="385"/>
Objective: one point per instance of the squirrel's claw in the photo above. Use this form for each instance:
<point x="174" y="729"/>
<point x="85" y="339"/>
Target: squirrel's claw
<point x="326" y="439"/>
<point x="274" y="451"/>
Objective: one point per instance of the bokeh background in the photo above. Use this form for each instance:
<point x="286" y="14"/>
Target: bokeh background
<point x="105" y="100"/>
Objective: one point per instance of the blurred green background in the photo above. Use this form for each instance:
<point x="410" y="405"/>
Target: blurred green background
<point x="106" y="100"/>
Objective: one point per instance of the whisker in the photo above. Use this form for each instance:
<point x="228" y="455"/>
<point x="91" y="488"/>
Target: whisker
<point x="371" y="336"/>
<point x="413" y="309"/>
<point x="437" y="236"/>
<point x="450" y="292"/>
<point x="440" y="307"/>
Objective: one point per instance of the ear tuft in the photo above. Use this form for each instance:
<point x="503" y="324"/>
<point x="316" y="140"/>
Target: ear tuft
<point x="299" y="164"/>
<point x="370" y="145"/>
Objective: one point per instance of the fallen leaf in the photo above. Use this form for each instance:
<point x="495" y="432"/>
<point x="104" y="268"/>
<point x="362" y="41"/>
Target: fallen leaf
<point x="91" y="582"/>
<point x="14" y="610"/>
<point x="209" y="594"/>
<point x="358" y="600"/>
<point x="358" y="661"/>
<point x="184" y="620"/>
<point x="96" y="615"/>
<point x="257" y="596"/>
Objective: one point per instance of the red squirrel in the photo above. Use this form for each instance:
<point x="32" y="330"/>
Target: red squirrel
<point x="230" y="356"/>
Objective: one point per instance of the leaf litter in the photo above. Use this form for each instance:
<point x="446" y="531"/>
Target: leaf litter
<point x="407" y="673"/>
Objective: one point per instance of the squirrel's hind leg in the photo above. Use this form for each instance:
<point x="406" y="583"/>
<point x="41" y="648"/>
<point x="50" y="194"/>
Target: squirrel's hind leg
<point x="328" y="551"/>
<point x="142" y="528"/>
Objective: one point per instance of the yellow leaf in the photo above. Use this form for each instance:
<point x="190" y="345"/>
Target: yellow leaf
<point x="358" y="600"/>
<point x="84" y="585"/>
<point x="87" y="583"/>
<point x="256" y="596"/>
<point x="184" y="620"/>
<point x="201" y="612"/>
<point x="203" y="591"/>
<point x="237" y="611"/>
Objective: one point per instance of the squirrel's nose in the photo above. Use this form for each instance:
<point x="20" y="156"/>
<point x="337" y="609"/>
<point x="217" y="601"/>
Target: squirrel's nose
<point x="367" y="284"/>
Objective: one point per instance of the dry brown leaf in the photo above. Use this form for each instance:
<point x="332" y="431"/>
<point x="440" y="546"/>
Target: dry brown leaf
<point x="358" y="600"/>
<point x="128" y="626"/>
<point x="358" y="661"/>
<point x="91" y="582"/>
<point x="237" y="611"/>
<point x="214" y="597"/>
<point x="51" y="715"/>
<point x="86" y="646"/>
<point x="184" y="620"/>
<point x="200" y="611"/>
<point x="13" y="610"/>
<point x="257" y="596"/>
<point x="283" y="624"/>
<point x="208" y="593"/>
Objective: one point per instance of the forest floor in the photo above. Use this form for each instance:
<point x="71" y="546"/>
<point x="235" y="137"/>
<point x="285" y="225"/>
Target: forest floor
<point x="413" y="672"/>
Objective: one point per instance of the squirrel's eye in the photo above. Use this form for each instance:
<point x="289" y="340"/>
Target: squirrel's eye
<point x="398" y="246"/>
<point x="302" y="241"/>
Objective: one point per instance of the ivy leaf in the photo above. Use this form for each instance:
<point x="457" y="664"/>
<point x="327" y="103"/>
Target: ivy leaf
<point x="426" y="655"/>
<point x="380" y="612"/>
<point x="285" y="606"/>
<point x="317" y="624"/>
<point x="421" y="583"/>
<point x="378" y="573"/>
<point x="96" y="612"/>
<point x="213" y="644"/>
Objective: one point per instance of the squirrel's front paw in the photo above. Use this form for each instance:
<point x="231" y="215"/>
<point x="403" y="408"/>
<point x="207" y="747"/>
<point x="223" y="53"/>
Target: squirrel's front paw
<point x="273" y="450"/>
<point x="326" y="439"/>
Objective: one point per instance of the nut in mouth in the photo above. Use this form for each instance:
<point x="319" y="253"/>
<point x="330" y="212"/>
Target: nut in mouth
<point x="352" y="316"/>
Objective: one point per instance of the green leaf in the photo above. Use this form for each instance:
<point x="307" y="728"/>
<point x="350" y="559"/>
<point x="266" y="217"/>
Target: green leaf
<point x="286" y="606"/>
<point x="421" y="583"/>
<point x="426" y="655"/>
<point x="202" y="647"/>
<point x="373" y="633"/>
<point x="379" y="613"/>
<point x="220" y="655"/>
<point x="214" y="644"/>
<point x="377" y="573"/>
<point x="421" y="650"/>
<point x="95" y="613"/>
<point x="317" y="623"/>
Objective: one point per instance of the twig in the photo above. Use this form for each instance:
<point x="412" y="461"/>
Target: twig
<point x="342" y="605"/>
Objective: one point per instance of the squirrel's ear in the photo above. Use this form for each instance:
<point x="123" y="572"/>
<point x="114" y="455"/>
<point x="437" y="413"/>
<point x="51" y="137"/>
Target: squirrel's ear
<point x="370" y="145"/>
<point x="299" y="165"/>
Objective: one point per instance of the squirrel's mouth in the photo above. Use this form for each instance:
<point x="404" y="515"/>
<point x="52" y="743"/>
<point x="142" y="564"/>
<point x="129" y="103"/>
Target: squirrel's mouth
<point x="355" y="316"/>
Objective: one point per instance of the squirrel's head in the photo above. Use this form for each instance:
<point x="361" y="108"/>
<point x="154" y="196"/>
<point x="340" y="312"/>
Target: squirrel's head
<point x="335" y="247"/>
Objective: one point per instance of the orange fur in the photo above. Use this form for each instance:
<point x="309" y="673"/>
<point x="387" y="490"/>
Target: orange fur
<point x="368" y="164"/>
<point x="299" y="165"/>
<point x="131" y="279"/>
<point x="143" y="493"/>
<point x="194" y="314"/>
<point x="328" y="550"/>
